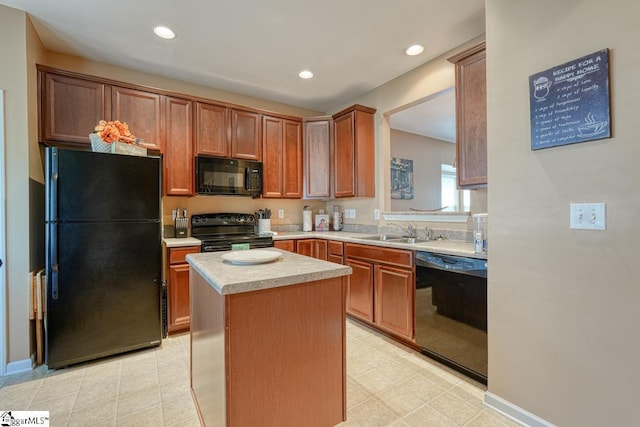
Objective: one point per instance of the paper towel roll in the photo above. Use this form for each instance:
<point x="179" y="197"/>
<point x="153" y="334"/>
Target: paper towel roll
<point x="307" y="223"/>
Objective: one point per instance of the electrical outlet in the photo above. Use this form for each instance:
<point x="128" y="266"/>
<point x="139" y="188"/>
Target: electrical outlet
<point x="376" y="214"/>
<point x="588" y="216"/>
<point x="280" y="213"/>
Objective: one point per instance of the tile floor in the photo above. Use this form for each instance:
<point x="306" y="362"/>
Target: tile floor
<point x="387" y="385"/>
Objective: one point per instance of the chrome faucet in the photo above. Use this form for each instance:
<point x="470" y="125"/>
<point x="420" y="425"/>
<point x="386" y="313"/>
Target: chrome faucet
<point x="410" y="230"/>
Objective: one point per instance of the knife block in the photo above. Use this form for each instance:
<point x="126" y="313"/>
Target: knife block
<point x="180" y="225"/>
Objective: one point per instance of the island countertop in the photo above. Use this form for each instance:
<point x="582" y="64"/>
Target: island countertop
<point x="289" y="269"/>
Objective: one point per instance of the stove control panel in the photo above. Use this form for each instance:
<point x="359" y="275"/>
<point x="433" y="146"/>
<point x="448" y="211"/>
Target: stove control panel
<point x="203" y="220"/>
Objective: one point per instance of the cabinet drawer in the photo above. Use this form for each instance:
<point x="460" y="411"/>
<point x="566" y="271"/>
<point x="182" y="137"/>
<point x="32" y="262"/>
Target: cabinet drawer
<point x="397" y="257"/>
<point x="178" y="255"/>
<point x="335" y="248"/>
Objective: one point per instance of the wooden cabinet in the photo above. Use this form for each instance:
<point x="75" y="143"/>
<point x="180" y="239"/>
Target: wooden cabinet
<point x="316" y="248"/>
<point x="335" y="251"/>
<point x="178" y="164"/>
<point x="318" y="157"/>
<point x="70" y="108"/>
<point x="282" y="158"/>
<point x="471" y="117"/>
<point x="143" y="112"/>
<point x="394" y="299"/>
<point x="179" y="312"/>
<point x="285" y="245"/>
<point x="245" y="135"/>
<point x="381" y="289"/>
<point x="212" y="128"/>
<point x="226" y="132"/>
<point x="360" y="290"/>
<point x="354" y="152"/>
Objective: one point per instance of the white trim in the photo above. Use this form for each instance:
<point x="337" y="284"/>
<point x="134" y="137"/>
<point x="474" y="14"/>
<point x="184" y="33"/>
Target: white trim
<point x="514" y="412"/>
<point x="427" y="216"/>
<point x="19" y="366"/>
<point x="3" y="270"/>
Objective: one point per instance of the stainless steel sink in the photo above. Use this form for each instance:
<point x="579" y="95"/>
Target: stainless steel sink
<point x="383" y="237"/>
<point x="395" y="238"/>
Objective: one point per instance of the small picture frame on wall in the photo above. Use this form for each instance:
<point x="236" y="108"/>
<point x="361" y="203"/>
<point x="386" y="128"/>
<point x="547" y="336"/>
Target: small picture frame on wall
<point x="570" y="103"/>
<point x="401" y="178"/>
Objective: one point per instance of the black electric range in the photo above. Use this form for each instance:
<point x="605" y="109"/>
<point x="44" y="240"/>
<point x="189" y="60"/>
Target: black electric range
<point x="223" y="231"/>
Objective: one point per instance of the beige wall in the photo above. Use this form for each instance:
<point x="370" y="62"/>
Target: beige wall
<point x="409" y="89"/>
<point x="13" y="79"/>
<point x="428" y="155"/>
<point x="563" y="304"/>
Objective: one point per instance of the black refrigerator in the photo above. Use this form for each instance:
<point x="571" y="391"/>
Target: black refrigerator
<point x="104" y="255"/>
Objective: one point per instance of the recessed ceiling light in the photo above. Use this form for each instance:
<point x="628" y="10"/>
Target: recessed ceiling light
<point x="164" y="32"/>
<point x="306" y="74"/>
<point x="414" y="50"/>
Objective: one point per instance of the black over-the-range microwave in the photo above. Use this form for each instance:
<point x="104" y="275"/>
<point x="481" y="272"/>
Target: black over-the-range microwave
<point x="231" y="177"/>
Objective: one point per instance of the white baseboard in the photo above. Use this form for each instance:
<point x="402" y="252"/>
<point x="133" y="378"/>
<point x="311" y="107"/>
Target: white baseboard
<point x="514" y="412"/>
<point x="19" y="366"/>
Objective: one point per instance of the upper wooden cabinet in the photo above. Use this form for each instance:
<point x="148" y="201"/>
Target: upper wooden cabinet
<point x="282" y="158"/>
<point x="70" y="108"/>
<point x="318" y="157"/>
<point x="471" y="117"/>
<point x="212" y="129"/>
<point x="143" y="112"/>
<point x="354" y="153"/>
<point x="178" y="166"/>
<point x="245" y="135"/>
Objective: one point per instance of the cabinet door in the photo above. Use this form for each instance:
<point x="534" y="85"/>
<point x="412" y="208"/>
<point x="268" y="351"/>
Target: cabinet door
<point x="471" y="118"/>
<point x="178" y="173"/>
<point x="71" y="108"/>
<point x="305" y="247"/>
<point x="317" y="159"/>
<point x="245" y="135"/>
<point x="285" y="245"/>
<point x="320" y="249"/>
<point x="360" y="290"/>
<point x="178" y="298"/>
<point x="394" y="300"/>
<point x="212" y="127"/>
<point x="345" y="185"/>
<point x="273" y="156"/>
<point x="292" y="160"/>
<point x="142" y="111"/>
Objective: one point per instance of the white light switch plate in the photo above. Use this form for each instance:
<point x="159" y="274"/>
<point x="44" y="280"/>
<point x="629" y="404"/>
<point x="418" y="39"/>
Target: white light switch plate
<point x="588" y="216"/>
<point x="376" y="214"/>
<point x="280" y="213"/>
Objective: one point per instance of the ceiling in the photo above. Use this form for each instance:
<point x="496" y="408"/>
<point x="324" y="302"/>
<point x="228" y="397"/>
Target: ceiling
<point x="256" y="47"/>
<point x="435" y="117"/>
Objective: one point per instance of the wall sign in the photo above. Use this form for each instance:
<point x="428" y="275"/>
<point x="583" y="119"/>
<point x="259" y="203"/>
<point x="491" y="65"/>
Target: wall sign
<point x="569" y="103"/>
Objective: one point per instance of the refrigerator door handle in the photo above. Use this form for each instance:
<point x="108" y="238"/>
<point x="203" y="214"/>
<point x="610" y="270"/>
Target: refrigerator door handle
<point x="52" y="203"/>
<point x="53" y="239"/>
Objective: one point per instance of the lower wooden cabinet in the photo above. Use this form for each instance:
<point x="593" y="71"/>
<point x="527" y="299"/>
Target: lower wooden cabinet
<point x="285" y="245"/>
<point x="178" y="310"/>
<point x="316" y="248"/>
<point x="335" y="252"/>
<point x="381" y="290"/>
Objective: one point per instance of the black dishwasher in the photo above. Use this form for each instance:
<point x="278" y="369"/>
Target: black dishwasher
<point x="451" y="311"/>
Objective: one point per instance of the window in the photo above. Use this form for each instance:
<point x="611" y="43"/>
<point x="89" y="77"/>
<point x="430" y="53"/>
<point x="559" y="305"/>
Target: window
<point x="452" y="198"/>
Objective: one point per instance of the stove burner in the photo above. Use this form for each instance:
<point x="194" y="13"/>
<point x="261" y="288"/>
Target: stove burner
<point x="219" y="231"/>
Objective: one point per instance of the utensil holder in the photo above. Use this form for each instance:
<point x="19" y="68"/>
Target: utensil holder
<point x="264" y="225"/>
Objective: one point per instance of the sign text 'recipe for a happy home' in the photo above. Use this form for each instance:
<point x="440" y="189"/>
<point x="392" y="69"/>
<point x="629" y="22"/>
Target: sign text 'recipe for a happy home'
<point x="570" y="102"/>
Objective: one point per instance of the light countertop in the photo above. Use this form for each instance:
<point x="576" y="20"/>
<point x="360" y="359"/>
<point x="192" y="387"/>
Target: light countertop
<point x="289" y="269"/>
<point x="172" y="242"/>
<point x="446" y="247"/>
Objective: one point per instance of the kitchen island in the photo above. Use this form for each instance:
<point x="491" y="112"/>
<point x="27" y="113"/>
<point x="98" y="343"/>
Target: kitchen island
<point x="268" y="341"/>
